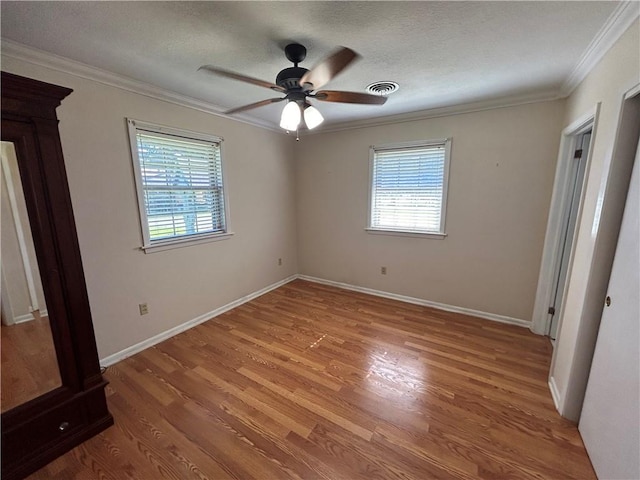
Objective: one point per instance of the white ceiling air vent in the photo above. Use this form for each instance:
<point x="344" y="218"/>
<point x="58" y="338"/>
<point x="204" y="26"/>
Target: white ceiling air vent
<point x="382" y="88"/>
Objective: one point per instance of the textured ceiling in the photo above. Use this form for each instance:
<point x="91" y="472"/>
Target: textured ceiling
<point x="441" y="53"/>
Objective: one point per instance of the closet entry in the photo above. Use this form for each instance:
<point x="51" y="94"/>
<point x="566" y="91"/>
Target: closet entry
<point x="52" y="389"/>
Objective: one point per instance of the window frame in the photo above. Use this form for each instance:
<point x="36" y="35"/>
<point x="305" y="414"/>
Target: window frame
<point x="441" y="234"/>
<point x="149" y="246"/>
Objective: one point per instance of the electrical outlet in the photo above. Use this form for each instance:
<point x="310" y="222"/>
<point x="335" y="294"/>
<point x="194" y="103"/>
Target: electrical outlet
<point x="279" y="262"/>
<point x="144" y="308"/>
<point x="383" y="270"/>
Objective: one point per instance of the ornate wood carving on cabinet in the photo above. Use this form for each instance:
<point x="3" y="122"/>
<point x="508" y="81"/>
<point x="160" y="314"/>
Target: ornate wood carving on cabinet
<point x="41" y="429"/>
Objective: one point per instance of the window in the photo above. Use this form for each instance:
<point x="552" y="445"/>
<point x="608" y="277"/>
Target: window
<point x="409" y="187"/>
<point x="180" y="185"/>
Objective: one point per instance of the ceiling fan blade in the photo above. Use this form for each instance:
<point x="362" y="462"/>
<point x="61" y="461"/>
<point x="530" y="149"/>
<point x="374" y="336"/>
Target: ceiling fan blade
<point x="243" y="78"/>
<point x="323" y="72"/>
<point x="261" y="103"/>
<point x="349" y="97"/>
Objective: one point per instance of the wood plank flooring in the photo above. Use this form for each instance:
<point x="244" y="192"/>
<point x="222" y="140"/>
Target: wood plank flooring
<point x="310" y="381"/>
<point x="28" y="359"/>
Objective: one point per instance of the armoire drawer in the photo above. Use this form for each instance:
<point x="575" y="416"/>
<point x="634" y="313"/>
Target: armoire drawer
<point x="36" y="434"/>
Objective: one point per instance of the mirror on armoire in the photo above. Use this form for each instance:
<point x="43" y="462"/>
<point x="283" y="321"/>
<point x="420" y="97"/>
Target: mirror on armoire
<point x="29" y="365"/>
<point x="52" y="396"/>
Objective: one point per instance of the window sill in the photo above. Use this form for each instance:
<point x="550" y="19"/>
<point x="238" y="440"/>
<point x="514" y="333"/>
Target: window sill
<point x="184" y="242"/>
<point x="405" y="233"/>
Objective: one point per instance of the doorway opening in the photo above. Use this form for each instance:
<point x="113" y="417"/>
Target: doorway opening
<point x="573" y="194"/>
<point x="564" y="218"/>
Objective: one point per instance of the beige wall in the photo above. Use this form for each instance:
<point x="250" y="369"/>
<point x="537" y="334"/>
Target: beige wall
<point x="180" y="284"/>
<point x="501" y="176"/>
<point x="607" y="83"/>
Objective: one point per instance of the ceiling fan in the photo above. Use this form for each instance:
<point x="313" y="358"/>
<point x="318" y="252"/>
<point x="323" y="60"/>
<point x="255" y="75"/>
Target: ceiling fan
<point x="299" y="85"/>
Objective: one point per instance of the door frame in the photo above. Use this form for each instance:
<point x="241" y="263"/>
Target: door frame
<point x="612" y="186"/>
<point x="28" y="269"/>
<point x="541" y="320"/>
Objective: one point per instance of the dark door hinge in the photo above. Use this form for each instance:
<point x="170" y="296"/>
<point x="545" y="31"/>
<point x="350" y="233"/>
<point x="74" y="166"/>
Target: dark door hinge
<point x="552" y="311"/>
<point x="578" y="154"/>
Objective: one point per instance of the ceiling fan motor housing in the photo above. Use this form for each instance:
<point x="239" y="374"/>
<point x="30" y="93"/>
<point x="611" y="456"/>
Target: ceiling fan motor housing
<point x="289" y="77"/>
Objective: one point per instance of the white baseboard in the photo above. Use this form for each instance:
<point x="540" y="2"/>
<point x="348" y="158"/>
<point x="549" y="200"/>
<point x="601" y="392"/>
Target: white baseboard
<point x="149" y="342"/>
<point x="27" y="317"/>
<point x="555" y="393"/>
<point x="138" y="347"/>
<point x="419" y="301"/>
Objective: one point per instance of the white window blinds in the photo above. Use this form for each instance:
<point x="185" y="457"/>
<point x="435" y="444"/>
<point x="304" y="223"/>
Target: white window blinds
<point x="408" y="190"/>
<point x="180" y="185"/>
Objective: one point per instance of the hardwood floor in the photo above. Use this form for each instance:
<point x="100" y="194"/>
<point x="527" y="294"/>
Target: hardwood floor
<point x="29" y="364"/>
<point x="310" y="381"/>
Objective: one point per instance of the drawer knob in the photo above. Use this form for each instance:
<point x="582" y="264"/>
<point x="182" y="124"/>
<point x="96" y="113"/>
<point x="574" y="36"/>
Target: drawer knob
<point x="63" y="426"/>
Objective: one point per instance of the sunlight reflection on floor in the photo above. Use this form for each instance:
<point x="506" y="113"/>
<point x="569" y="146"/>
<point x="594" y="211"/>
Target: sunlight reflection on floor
<point x="394" y="377"/>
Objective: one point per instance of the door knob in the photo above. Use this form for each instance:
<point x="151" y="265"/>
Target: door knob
<point x="607" y="301"/>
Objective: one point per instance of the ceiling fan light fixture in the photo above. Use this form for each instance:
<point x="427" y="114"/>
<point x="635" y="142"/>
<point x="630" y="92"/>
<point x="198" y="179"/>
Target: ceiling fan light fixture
<point x="291" y="116"/>
<point x="312" y="117"/>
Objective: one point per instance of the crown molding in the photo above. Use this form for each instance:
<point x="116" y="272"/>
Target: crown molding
<point x="615" y="26"/>
<point x="51" y="61"/>
<point x="58" y="63"/>
<point x="502" y="102"/>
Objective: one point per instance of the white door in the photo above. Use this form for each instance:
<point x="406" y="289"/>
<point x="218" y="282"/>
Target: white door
<point x="610" y="420"/>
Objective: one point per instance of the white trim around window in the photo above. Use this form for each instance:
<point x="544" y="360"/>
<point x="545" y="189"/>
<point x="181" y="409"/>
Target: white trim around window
<point x="418" y="172"/>
<point x="179" y="180"/>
